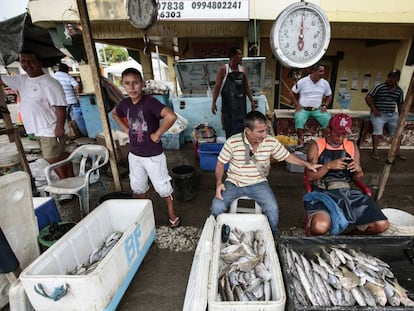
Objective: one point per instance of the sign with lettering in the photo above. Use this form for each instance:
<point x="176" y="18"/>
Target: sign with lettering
<point x="203" y="10"/>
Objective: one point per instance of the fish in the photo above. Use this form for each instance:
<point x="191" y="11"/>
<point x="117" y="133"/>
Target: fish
<point x="347" y="297"/>
<point x="239" y="294"/>
<point x="254" y="284"/>
<point x="262" y="272"/>
<point x="334" y="281"/>
<point x="368" y="296"/>
<point x="358" y="296"/>
<point x="307" y="267"/>
<point x="232" y="252"/>
<point x="233" y="238"/>
<point x="227" y="289"/>
<point x="402" y="293"/>
<point x="349" y="279"/>
<point x="320" y="287"/>
<point x="328" y="267"/>
<point x="299" y="291"/>
<point x="378" y="292"/>
<point x="307" y="285"/>
<point x="392" y="297"/>
<point x="320" y="270"/>
<point x="246" y="265"/>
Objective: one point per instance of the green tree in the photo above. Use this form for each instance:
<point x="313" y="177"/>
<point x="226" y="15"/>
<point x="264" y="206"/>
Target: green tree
<point x="113" y="54"/>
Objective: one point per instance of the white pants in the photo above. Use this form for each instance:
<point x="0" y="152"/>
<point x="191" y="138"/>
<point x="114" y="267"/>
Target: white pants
<point x="154" y="168"/>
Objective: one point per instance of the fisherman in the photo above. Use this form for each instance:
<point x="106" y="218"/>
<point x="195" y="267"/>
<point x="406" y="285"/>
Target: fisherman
<point x="233" y="85"/>
<point x="333" y="205"/>
<point x="249" y="155"/>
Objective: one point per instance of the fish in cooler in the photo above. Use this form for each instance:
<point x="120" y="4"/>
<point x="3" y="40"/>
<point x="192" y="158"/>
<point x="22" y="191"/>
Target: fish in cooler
<point x="336" y="276"/>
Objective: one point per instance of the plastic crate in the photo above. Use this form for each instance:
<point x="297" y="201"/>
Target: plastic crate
<point x="103" y="288"/>
<point x="208" y="153"/>
<point x="172" y="141"/>
<point x="246" y="222"/>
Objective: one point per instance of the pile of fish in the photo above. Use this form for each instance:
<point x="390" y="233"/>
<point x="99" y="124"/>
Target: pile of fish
<point x="97" y="255"/>
<point x="244" y="268"/>
<point x="339" y="276"/>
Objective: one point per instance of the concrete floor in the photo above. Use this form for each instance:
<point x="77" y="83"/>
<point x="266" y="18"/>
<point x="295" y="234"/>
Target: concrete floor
<point x="161" y="281"/>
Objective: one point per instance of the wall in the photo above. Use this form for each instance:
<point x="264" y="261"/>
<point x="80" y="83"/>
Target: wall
<point x="362" y="59"/>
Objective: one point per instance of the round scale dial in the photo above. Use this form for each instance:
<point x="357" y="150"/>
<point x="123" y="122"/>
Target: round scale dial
<point x="142" y="13"/>
<point x="300" y="35"/>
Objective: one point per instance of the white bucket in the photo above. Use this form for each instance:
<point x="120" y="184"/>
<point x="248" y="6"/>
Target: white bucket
<point x="401" y="223"/>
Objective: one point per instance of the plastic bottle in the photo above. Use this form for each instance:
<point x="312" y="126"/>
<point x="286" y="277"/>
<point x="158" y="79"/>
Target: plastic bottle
<point x="377" y="79"/>
<point x="365" y="82"/>
<point x="354" y="85"/>
<point x="343" y="82"/>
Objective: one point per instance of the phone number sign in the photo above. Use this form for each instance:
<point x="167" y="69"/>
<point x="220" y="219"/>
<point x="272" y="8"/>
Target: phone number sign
<point x="203" y="10"/>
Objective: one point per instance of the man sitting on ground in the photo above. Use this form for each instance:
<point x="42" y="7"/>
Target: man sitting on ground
<point x="333" y="205"/>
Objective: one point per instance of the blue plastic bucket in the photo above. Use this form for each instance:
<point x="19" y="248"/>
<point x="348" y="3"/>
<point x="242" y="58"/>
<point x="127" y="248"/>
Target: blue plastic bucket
<point x="77" y="115"/>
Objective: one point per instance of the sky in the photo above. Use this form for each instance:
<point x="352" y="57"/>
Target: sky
<point x="9" y="9"/>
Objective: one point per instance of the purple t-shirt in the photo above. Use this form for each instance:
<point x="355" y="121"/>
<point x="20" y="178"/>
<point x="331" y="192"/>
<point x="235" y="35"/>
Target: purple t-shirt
<point x="143" y="120"/>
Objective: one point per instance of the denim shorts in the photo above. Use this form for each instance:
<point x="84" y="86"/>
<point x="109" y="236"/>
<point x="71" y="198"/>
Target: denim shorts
<point x="387" y="118"/>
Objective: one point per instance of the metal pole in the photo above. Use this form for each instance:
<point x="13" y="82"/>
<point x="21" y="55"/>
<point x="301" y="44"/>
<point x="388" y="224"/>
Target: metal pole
<point x="396" y="139"/>
<point x="93" y="62"/>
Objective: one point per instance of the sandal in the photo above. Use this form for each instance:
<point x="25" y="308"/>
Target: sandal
<point x="374" y="156"/>
<point x="174" y="223"/>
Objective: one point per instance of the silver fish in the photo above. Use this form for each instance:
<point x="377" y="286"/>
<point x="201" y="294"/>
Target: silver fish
<point x="349" y="279"/>
<point x="334" y="281"/>
<point x="233" y="238"/>
<point x="247" y="265"/>
<point x="368" y="296"/>
<point x="402" y="293"/>
<point x="378" y="292"/>
<point x="320" y="287"/>
<point x="392" y="297"/>
<point x="359" y="297"/>
<point x="307" y="267"/>
<point x="328" y="267"/>
<point x="320" y="270"/>
<point x="347" y="297"/>
<point x="227" y="289"/>
<point x="299" y="291"/>
<point x="307" y="286"/>
<point x="262" y="272"/>
<point x="239" y="293"/>
<point x="253" y="285"/>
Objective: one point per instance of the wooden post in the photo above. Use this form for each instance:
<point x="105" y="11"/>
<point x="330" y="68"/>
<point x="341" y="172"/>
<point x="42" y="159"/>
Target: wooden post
<point x="14" y="136"/>
<point x="93" y="62"/>
<point x="395" y="140"/>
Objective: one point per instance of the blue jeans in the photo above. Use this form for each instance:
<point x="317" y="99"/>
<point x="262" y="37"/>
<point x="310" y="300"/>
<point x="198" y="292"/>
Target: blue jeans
<point x="387" y="118"/>
<point x="261" y="193"/>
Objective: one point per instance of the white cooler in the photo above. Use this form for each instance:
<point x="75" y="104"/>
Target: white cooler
<point x="103" y="288"/>
<point x="202" y="291"/>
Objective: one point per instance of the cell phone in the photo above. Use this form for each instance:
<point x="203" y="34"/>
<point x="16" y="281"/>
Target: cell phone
<point x="348" y="160"/>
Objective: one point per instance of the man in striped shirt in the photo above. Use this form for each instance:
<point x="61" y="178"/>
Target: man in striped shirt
<point x="71" y="87"/>
<point x="382" y="100"/>
<point x="249" y="155"/>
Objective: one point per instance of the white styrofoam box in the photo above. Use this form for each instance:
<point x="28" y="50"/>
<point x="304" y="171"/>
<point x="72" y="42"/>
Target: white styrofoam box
<point x="246" y="222"/>
<point x="103" y="288"/>
<point x="401" y="222"/>
<point x="293" y="168"/>
<point x="18" y="300"/>
<point x="196" y="293"/>
<point x="18" y="223"/>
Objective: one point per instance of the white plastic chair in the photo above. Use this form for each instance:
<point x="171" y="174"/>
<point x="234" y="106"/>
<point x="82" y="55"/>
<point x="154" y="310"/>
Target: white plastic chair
<point x="234" y="207"/>
<point x="91" y="155"/>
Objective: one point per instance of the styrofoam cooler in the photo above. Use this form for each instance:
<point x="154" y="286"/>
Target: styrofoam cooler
<point x="246" y="222"/>
<point x="103" y="288"/>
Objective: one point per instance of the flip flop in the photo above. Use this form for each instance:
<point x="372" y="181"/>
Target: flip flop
<point x="374" y="156"/>
<point x="401" y="157"/>
<point x="175" y="223"/>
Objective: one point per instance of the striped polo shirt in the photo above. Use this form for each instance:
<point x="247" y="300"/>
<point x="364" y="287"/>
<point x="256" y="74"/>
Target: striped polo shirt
<point x="386" y="99"/>
<point x="68" y="83"/>
<point x="243" y="174"/>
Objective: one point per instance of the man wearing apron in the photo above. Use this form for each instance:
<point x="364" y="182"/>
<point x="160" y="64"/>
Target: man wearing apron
<point x="232" y="83"/>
